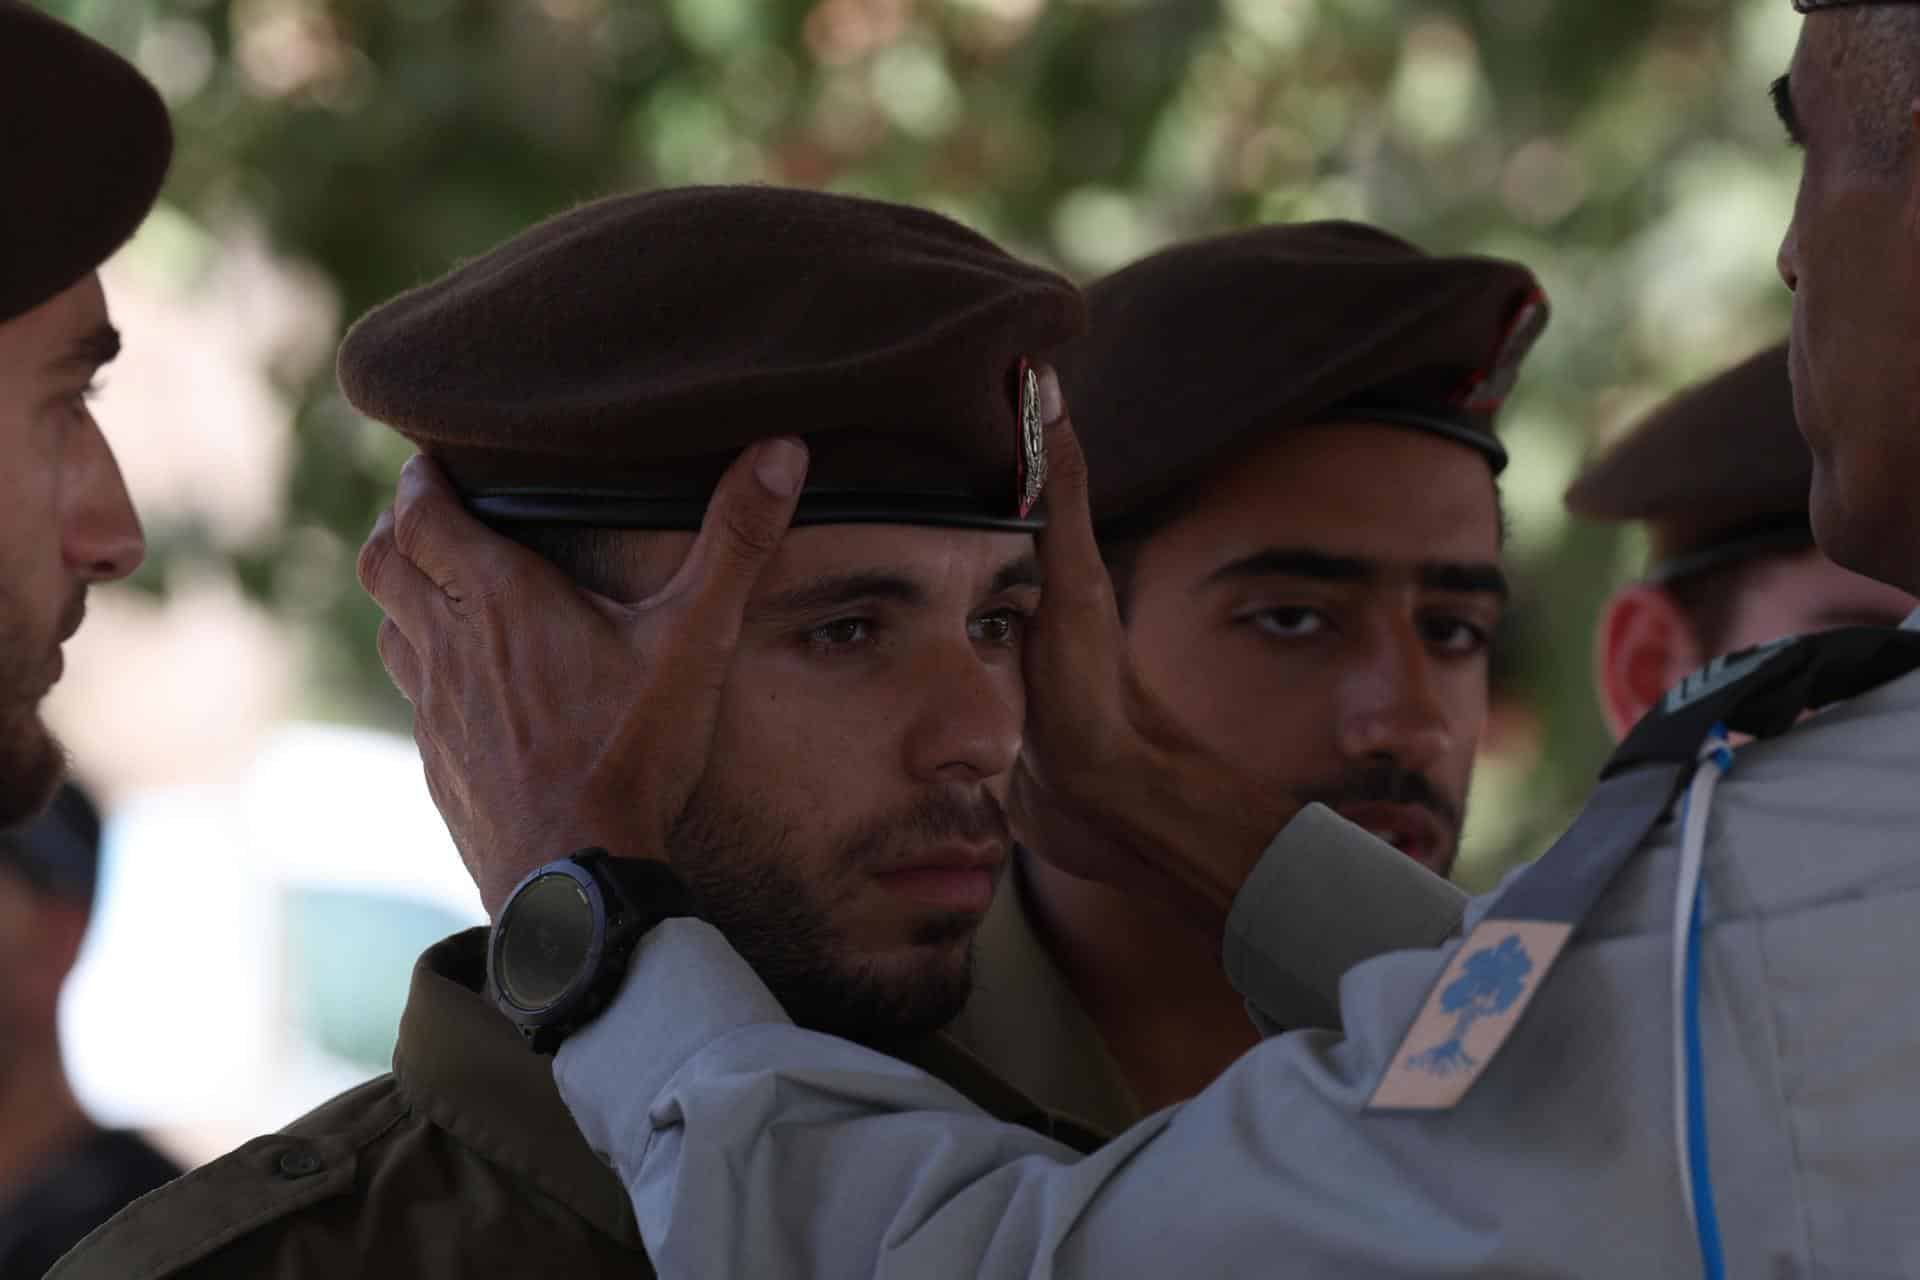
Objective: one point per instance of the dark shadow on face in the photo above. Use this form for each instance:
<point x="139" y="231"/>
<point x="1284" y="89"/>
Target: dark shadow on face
<point x="742" y="864"/>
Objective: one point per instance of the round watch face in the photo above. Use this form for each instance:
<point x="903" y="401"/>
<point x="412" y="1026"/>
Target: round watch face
<point x="546" y="943"/>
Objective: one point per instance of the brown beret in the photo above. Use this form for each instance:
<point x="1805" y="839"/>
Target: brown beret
<point x="1199" y="349"/>
<point x="1718" y="473"/>
<point x="84" y="145"/>
<point x="604" y="367"/>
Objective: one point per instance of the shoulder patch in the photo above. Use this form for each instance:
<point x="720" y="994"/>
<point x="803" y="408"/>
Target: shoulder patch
<point x="267" y="1179"/>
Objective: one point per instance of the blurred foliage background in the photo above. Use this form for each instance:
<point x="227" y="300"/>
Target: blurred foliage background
<point x="1625" y="150"/>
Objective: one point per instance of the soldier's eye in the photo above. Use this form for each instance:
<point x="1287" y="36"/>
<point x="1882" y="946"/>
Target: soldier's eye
<point x="1456" y="635"/>
<point x="841" y="633"/>
<point x="1001" y="627"/>
<point x="1289" y="622"/>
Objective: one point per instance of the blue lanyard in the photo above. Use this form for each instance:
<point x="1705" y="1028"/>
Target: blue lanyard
<point x="1477" y="1001"/>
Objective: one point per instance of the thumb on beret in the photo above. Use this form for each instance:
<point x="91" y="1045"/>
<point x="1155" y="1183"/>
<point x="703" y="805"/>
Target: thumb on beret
<point x="746" y="518"/>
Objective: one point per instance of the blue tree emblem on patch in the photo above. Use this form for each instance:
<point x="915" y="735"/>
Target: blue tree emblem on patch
<point x="1490" y="981"/>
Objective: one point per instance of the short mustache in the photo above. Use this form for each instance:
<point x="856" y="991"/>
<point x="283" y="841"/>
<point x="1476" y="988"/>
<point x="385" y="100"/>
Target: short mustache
<point x="943" y="818"/>
<point x="1385" y="784"/>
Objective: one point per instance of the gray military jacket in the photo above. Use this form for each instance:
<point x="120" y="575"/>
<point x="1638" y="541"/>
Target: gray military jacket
<point x="800" y="1155"/>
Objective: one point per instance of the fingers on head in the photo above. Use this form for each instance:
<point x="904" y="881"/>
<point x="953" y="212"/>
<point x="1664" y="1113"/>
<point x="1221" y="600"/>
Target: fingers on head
<point x="1076" y="576"/>
<point x="437" y="535"/>
<point x="401" y="660"/>
<point x="1066" y="460"/>
<point x="414" y="604"/>
<point x="746" y="520"/>
<point x="375" y="552"/>
<point x="753" y="504"/>
<point x="421" y="531"/>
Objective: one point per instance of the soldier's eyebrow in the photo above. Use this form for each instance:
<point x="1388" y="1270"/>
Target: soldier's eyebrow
<point x="90" y="352"/>
<point x="1782" y="93"/>
<point x="871" y="586"/>
<point x="1295" y="562"/>
<point x="1478" y="578"/>
<point x="1022" y="571"/>
<point x="839" y="590"/>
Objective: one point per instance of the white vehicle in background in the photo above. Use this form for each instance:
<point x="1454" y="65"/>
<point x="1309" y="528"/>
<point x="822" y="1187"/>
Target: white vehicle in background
<point x="252" y="943"/>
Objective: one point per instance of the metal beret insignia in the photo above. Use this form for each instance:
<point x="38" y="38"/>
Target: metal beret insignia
<point x="1487" y="392"/>
<point x="1032" y="477"/>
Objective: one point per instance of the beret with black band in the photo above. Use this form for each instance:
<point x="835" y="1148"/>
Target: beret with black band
<point x="1719" y="474"/>
<point x="605" y="366"/>
<point x="84" y="146"/>
<point x="1203" y="349"/>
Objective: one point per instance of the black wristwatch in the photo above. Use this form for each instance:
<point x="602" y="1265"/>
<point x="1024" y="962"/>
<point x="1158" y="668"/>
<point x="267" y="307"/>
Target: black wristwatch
<point x="558" y="951"/>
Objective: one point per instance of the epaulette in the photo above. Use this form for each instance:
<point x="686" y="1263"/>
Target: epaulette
<point x="183" y="1223"/>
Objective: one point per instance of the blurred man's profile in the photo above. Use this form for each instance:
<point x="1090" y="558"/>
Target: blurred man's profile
<point x="1719" y="477"/>
<point x="61" y="1175"/>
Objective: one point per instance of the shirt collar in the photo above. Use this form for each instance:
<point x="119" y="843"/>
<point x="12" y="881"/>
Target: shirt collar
<point x="468" y="1070"/>
<point x="1912" y="622"/>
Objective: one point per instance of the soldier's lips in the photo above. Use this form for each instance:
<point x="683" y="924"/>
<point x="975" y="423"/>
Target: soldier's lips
<point x="1415" y="831"/>
<point x="69" y="624"/>
<point x="953" y="877"/>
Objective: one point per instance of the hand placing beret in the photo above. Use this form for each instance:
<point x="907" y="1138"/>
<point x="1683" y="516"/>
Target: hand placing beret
<point x="602" y="372"/>
<point x="1109" y="786"/>
<point x="549" y="718"/>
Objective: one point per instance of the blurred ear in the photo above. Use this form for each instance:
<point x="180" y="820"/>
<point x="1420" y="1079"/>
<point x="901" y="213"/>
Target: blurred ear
<point x="1645" y="644"/>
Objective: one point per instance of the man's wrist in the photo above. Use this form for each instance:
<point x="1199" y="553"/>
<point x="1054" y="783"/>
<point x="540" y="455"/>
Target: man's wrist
<point x="685" y="988"/>
<point x="562" y="942"/>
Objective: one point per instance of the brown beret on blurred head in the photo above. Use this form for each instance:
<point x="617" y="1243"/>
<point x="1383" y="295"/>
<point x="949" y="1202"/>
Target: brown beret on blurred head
<point x="1718" y="474"/>
<point x="1202" y="348"/>
<point x="604" y="367"/>
<point x="84" y="145"/>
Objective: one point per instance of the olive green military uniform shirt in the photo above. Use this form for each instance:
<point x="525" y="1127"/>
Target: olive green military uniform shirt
<point x="1025" y="1023"/>
<point x="463" y="1161"/>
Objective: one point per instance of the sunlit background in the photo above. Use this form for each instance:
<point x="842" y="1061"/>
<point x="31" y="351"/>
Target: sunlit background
<point x="274" y="862"/>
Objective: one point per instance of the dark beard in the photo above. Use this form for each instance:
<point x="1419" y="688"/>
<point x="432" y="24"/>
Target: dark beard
<point x="740" y="864"/>
<point x="31" y="762"/>
<point x="31" y="766"/>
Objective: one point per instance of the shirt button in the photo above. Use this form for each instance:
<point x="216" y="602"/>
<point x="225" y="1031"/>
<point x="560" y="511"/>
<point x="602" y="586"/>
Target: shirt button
<point x="298" y="1162"/>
